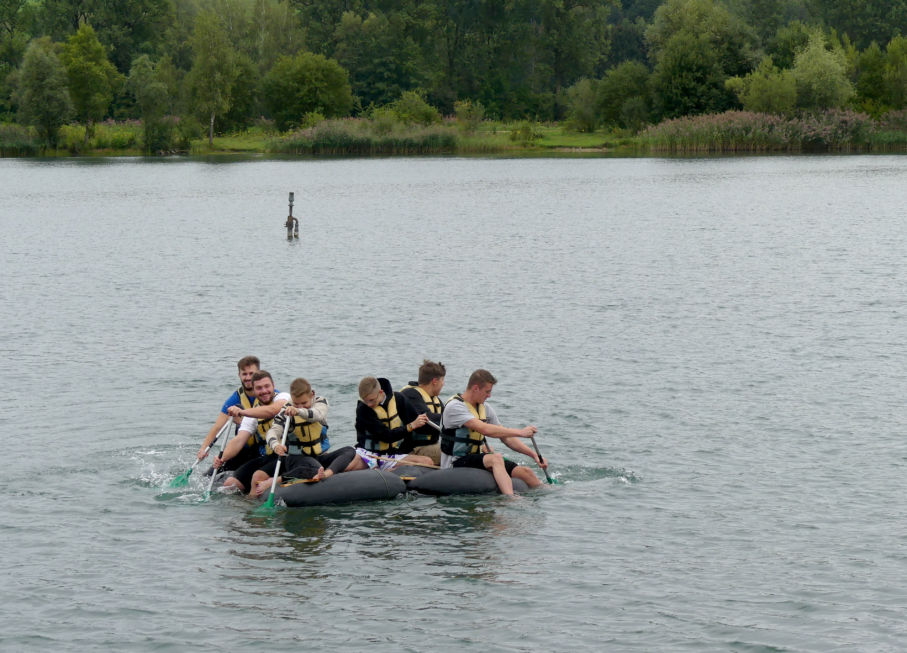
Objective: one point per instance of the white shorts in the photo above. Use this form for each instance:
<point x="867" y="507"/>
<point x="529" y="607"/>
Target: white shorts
<point x="370" y="459"/>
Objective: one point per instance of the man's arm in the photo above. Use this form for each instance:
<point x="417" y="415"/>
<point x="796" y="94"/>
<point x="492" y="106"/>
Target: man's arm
<point x="317" y="413"/>
<point x="262" y="412"/>
<point x="209" y="439"/>
<point x="417" y="406"/>
<point x="498" y="431"/>
<point x="233" y="448"/>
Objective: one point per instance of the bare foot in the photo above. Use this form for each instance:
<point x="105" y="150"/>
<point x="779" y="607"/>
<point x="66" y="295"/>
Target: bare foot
<point x="319" y="476"/>
<point x="262" y="487"/>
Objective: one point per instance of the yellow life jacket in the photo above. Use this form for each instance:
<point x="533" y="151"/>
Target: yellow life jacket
<point x="261" y="435"/>
<point x="391" y="420"/>
<point x="463" y="441"/>
<point x="433" y="404"/>
<point x="306" y="437"/>
<point x="246" y="400"/>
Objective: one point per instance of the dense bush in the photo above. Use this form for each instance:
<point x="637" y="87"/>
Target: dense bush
<point x="16" y="140"/>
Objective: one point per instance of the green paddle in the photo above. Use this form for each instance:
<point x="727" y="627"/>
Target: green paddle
<point x="183" y="479"/>
<point x="268" y="506"/>
<point x="539" y="454"/>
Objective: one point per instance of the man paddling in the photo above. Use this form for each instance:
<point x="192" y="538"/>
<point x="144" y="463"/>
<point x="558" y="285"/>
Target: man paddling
<point x="468" y="421"/>
<point x="423" y="398"/>
<point x="243" y="397"/>
<point x="254" y="428"/>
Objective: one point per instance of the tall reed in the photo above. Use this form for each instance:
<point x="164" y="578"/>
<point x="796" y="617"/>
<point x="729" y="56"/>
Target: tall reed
<point x="358" y="137"/>
<point x="834" y="130"/>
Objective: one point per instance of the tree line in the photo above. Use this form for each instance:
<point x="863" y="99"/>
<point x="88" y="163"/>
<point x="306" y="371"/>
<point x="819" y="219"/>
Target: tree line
<point x="224" y="65"/>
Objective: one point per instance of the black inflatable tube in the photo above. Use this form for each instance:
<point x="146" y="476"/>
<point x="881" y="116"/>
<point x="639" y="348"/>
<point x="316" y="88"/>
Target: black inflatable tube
<point x="363" y="485"/>
<point x="461" y="480"/>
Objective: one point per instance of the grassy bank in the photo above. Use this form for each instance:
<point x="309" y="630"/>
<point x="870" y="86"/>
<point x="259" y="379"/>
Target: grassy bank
<point x="731" y="132"/>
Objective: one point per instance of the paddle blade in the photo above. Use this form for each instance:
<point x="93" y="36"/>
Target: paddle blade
<point x="182" y="480"/>
<point x="267" y="508"/>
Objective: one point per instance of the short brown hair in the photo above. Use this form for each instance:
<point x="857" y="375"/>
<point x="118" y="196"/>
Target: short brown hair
<point x="481" y="377"/>
<point x="245" y="361"/>
<point x="261" y="374"/>
<point x="300" y="387"/>
<point x="429" y="371"/>
<point x="367" y="386"/>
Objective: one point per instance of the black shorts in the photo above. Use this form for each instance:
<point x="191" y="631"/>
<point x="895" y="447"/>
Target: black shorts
<point x="245" y="455"/>
<point x="245" y="471"/>
<point x="476" y="460"/>
<point x="302" y="466"/>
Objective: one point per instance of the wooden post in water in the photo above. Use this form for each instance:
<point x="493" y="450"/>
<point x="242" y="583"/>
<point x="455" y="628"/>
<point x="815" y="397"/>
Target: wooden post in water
<point x="292" y="224"/>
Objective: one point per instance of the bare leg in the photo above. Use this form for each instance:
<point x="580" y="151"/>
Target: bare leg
<point x="232" y="482"/>
<point x="356" y="464"/>
<point x="419" y="460"/>
<point x="494" y="462"/>
<point x="527" y="476"/>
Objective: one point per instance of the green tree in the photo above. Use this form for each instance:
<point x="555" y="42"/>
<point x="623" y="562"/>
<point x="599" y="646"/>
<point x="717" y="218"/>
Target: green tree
<point x="381" y="58"/>
<point x="582" y="110"/>
<point x="870" y="84"/>
<point x="93" y="80"/>
<point x="821" y="76"/>
<point x="785" y="45"/>
<point x="767" y="89"/>
<point x="895" y="73"/>
<point x="244" y="102"/>
<point x="696" y="46"/>
<point x="213" y="69"/>
<point x="623" y="95"/>
<point x="861" y="20"/>
<point x="130" y="28"/>
<point x="152" y="100"/>
<point x="306" y="83"/>
<point x="277" y="31"/>
<point x="43" y="93"/>
<point x="412" y="108"/>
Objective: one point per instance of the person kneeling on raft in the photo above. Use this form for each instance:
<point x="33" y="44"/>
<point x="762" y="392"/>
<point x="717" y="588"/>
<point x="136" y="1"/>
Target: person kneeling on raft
<point x="467" y="420"/>
<point x="306" y="450"/>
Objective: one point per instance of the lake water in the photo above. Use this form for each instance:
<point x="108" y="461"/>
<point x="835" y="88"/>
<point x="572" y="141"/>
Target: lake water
<point x="713" y="351"/>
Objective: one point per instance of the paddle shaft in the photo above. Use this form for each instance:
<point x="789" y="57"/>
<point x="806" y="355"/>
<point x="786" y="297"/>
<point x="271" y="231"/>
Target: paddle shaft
<point x="214" y="441"/>
<point x="539" y="454"/>
<point x="283" y="443"/>
<point x="224" y="446"/>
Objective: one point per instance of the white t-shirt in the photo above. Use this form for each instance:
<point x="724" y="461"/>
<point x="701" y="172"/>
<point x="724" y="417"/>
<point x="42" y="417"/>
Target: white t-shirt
<point x="456" y="414"/>
<point x="250" y="424"/>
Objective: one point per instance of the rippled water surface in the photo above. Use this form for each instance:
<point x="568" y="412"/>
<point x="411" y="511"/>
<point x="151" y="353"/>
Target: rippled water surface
<point x="713" y="351"/>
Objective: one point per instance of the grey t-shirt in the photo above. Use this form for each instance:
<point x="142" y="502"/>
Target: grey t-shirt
<point x="456" y="414"/>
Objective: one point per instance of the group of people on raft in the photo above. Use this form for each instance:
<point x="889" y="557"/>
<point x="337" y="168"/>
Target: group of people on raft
<point x="393" y="428"/>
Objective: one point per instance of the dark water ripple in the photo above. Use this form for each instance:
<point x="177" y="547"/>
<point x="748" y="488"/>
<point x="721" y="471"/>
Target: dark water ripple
<point x="713" y="350"/>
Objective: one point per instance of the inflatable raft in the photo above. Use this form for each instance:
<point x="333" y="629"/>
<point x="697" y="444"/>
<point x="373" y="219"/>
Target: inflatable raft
<point x="444" y="482"/>
<point x="363" y="485"/>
